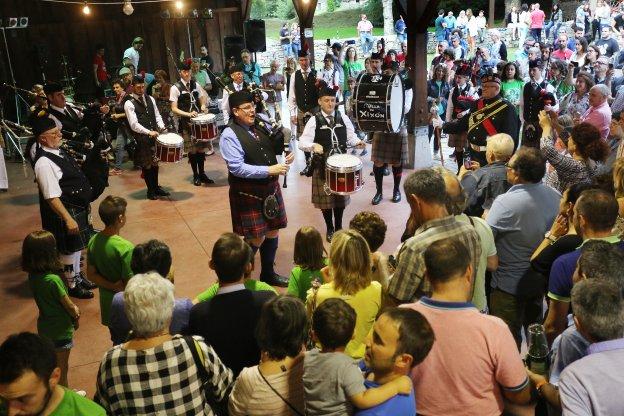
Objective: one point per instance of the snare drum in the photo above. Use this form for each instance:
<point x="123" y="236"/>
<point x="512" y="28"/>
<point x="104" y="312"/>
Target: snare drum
<point x="204" y="128"/>
<point x="343" y="174"/>
<point x="379" y="103"/>
<point x="169" y="147"/>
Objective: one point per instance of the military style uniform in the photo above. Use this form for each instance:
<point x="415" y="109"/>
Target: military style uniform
<point x="490" y="117"/>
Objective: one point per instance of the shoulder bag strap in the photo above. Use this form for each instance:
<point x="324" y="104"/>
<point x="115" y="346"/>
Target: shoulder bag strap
<point x="297" y="412"/>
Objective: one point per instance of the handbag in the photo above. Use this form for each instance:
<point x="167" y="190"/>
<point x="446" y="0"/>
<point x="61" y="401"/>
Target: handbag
<point x="219" y="407"/>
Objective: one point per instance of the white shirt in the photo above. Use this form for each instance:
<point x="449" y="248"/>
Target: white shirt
<point x="407" y="104"/>
<point x="47" y="173"/>
<point x="307" y="137"/>
<point x="132" y="118"/>
<point x="174" y="92"/>
<point x="330" y="76"/>
<point x="132" y="55"/>
<point x="292" y="101"/>
<point x="225" y="105"/>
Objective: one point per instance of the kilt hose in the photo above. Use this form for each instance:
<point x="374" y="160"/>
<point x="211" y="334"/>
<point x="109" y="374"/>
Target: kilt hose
<point x="320" y="199"/>
<point x="246" y="206"/>
<point x="390" y="148"/>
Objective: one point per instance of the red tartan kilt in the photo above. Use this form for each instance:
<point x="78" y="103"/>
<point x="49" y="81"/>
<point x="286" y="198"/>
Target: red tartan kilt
<point x="248" y="219"/>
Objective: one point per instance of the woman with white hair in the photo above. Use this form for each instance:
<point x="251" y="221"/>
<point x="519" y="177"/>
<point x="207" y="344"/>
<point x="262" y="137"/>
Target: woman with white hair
<point x="498" y="49"/>
<point x="156" y="373"/>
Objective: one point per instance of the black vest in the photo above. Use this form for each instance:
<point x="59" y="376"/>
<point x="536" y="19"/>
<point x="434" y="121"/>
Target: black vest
<point x="75" y="188"/>
<point x="184" y="100"/>
<point x="258" y="152"/>
<point x="145" y="116"/>
<point x="306" y="94"/>
<point x="533" y="103"/>
<point x="71" y="122"/>
<point x="461" y="100"/>
<point x="233" y="89"/>
<point x="323" y="132"/>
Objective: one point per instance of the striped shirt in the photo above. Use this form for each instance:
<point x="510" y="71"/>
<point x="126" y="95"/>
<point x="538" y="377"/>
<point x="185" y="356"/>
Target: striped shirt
<point x="162" y="380"/>
<point x="253" y="396"/>
<point x="408" y="282"/>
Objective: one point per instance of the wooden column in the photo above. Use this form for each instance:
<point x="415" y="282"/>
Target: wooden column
<point x="305" y="11"/>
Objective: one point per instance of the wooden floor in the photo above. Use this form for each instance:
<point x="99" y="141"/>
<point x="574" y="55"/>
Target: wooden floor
<point x="189" y="222"/>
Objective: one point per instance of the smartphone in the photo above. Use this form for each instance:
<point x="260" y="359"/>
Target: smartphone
<point x="467" y="160"/>
<point x="351" y="42"/>
<point x="328" y="42"/>
<point x="575" y="64"/>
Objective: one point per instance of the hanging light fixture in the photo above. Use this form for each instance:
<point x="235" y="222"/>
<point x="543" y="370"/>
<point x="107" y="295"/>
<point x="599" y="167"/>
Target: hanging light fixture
<point x="179" y="4"/>
<point x="86" y="9"/>
<point x="127" y="8"/>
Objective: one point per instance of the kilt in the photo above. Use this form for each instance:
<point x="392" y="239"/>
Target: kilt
<point x="457" y="140"/>
<point x="390" y="148"/>
<point x="321" y="200"/>
<point x="301" y="122"/>
<point x="145" y="153"/>
<point x="66" y="243"/>
<point x="184" y="130"/>
<point x="531" y="134"/>
<point x="248" y="219"/>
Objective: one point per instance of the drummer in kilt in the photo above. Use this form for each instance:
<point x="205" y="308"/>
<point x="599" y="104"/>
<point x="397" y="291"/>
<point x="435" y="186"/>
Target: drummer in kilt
<point x="327" y="133"/>
<point x="64" y="200"/>
<point x="391" y="148"/>
<point x="188" y="99"/>
<point x="256" y="202"/>
<point x="145" y="122"/>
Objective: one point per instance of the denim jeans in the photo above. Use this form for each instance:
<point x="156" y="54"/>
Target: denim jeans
<point x="122" y="139"/>
<point x="401" y="37"/>
<point x="295" y="47"/>
<point x="367" y="40"/>
<point x="555" y="29"/>
<point x="287" y="49"/>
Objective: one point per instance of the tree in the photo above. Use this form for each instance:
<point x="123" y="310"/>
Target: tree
<point x="286" y="10"/>
<point x="387" y="18"/>
<point x="258" y="9"/>
<point x="373" y="11"/>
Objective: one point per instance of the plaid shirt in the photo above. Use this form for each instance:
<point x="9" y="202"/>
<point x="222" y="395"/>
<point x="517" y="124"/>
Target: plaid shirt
<point x="408" y="282"/>
<point x="159" y="381"/>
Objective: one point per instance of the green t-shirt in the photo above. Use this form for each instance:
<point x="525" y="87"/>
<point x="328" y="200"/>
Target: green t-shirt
<point x="561" y="88"/>
<point x="111" y="256"/>
<point x="301" y="280"/>
<point x="76" y="405"/>
<point x="512" y="91"/>
<point x="54" y="321"/>
<point x="251" y="284"/>
<point x="351" y="69"/>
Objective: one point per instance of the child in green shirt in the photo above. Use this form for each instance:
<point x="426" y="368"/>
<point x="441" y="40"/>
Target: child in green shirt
<point x="309" y="258"/>
<point x="109" y="255"/>
<point x="58" y="316"/>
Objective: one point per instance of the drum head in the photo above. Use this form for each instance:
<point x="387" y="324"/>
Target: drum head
<point x="397" y="101"/>
<point x="344" y="163"/>
<point x="204" y="118"/>
<point x="170" y="139"/>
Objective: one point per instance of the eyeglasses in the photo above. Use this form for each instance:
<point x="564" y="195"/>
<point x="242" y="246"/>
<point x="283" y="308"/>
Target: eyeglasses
<point x="246" y="108"/>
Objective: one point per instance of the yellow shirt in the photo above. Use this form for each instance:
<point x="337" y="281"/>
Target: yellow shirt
<point x="366" y="303"/>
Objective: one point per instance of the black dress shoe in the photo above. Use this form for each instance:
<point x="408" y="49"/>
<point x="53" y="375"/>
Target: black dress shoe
<point x="275" y="280"/>
<point x="80" y="292"/>
<point x="151" y="195"/>
<point x="396" y="196"/>
<point x="304" y="172"/>
<point x="386" y="171"/>
<point x="196" y="181"/>
<point x="82" y="280"/>
<point x="161" y="192"/>
<point x="330" y="235"/>
<point x="205" y="179"/>
<point x="377" y="198"/>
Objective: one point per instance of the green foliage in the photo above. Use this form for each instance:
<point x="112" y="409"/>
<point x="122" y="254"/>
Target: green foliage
<point x="457" y="5"/>
<point x="258" y="9"/>
<point x="374" y="12"/>
<point x="286" y="10"/>
<point x="331" y="6"/>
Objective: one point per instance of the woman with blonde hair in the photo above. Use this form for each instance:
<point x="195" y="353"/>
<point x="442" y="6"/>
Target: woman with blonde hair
<point x="348" y="277"/>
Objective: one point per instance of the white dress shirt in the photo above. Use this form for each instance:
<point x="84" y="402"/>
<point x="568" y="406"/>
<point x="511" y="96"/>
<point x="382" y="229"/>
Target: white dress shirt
<point x="132" y="118"/>
<point x="292" y="100"/>
<point x="48" y="174"/>
<point x="225" y="105"/>
<point x="62" y="110"/>
<point x="306" y="140"/>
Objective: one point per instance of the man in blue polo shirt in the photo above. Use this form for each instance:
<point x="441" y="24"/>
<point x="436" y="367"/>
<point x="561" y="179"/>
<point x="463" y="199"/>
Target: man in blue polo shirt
<point x="595" y="213"/>
<point x="400" y="340"/>
<point x="593" y="384"/>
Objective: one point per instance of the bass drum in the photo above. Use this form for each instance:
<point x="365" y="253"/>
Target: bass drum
<point x="379" y="103"/>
